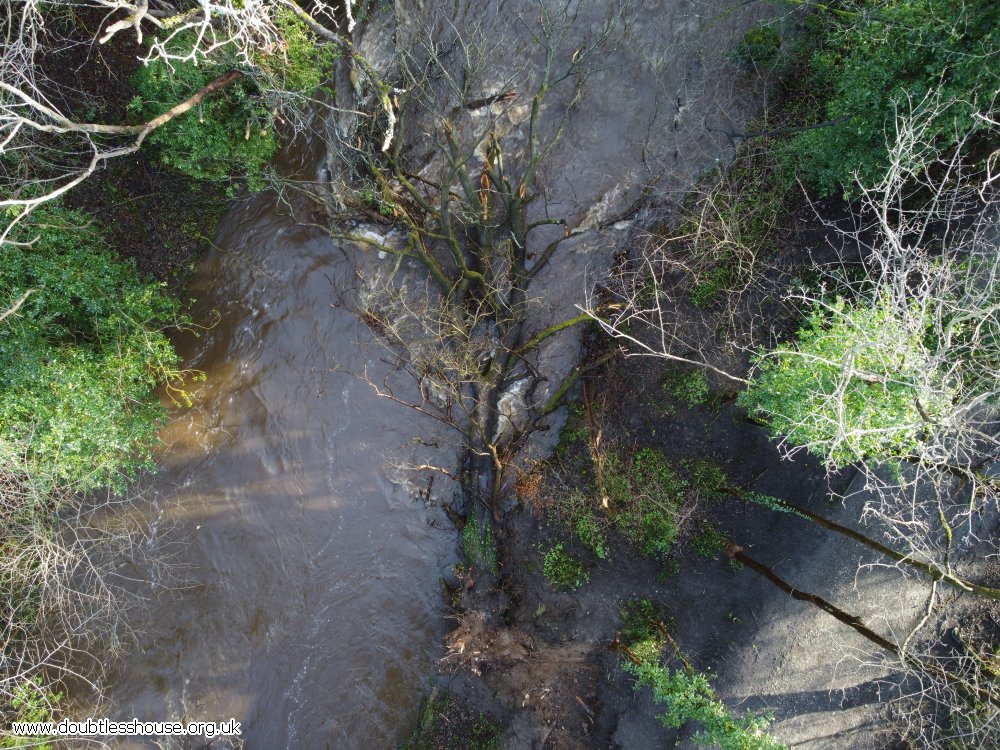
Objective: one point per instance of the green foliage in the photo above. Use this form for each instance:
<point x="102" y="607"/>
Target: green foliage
<point x="422" y="737"/>
<point x="708" y="478"/>
<point x="690" y="388"/>
<point x="232" y="132"/>
<point x="478" y="544"/>
<point x="590" y="531"/>
<point x="81" y="360"/>
<point x="876" y="61"/>
<point x="645" y="494"/>
<point x="439" y="728"/>
<point x="576" y="510"/>
<point x="573" y="432"/>
<point x="729" y="222"/>
<point x="761" y="45"/>
<point x="848" y="388"/>
<point x="304" y="64"/>
<point x="670" y="569"/>
<point x="229" y="135"/>
<point x="376" y="201"/>
<point x="641" y="621"/>
<point x="31" y="703"/>
<point x="562" y="570"/>
<point x="485" y="735"/>
<point x="707" y="541"/>
<point x="771" y="503"/>
<point x="713" y="284"/>
<point x="688" y="696"/>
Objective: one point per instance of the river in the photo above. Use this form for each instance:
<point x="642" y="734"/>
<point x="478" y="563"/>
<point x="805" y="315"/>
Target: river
<point x="306" y="599"/>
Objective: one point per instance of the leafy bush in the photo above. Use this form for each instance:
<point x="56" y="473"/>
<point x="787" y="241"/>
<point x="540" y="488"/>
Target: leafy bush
<point x="31" y="703"/>
<point x="80" y="361"/>
<point x="304" y="63"/>
<point x="562" y="570"/>
<point x="232" y="132"/>
<point x="875" y="58"/>
<point x="848" y="387"/>
<point x="688" y="696"/>
<point x="229" y="134"/>
<point x="645" y="494"/>
<point x="641" y="620"/>
<point x="590" y="531"/>
<point x="690" y="388"/>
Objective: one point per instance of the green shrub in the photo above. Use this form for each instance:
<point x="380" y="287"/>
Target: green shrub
<point x="304" y="64"/>
<point x="31" y="703"/>
<point x="645" y="494"/>
<point x="590" y="531"/>
<point x="690" y="388"/>
<point x="848" y="387"/>
<point x="875" y="59"/>
<point x="562" y="570"/>
<point x="708" y="478"/>
<point x="231" y="134"/>
<point x="688" y="696"/>
<point x="707" y="541"/>
<point x="641" y="621"/>
<point x="80" y="362"/>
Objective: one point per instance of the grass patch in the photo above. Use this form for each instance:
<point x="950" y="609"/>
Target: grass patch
<point x="690" y="387"/>
<point x="442" y="727"/>
<point x="707" y="542"/>
<point x="562" y="570"/>
<point x="478" y="544"/>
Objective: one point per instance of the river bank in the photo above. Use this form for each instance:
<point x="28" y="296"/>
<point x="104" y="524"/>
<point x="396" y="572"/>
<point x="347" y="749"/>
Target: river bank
<point x="532" y="661"/>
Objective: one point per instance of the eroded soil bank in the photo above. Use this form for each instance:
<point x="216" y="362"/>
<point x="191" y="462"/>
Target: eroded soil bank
<point x="531" y="666"/>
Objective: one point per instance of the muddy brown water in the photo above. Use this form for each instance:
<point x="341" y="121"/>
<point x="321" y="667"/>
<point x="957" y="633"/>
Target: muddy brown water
<point x="306" y="602"/>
